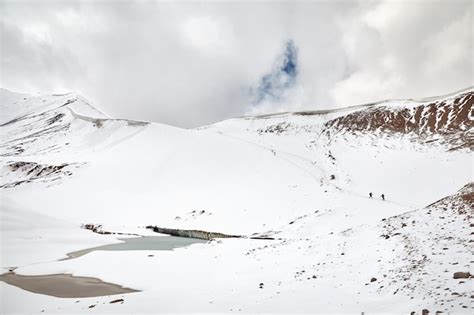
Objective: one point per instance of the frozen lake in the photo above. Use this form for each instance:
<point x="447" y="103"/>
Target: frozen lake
<point x="141" y="243"/>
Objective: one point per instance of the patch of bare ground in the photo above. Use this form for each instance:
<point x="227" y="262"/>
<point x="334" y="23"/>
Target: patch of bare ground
<point x="64" y="285"/>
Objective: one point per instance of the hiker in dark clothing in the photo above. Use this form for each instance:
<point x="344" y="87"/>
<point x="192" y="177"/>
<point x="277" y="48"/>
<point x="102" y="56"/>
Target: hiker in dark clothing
<point x="370" y="195"/>
<point x="383" y="196"/>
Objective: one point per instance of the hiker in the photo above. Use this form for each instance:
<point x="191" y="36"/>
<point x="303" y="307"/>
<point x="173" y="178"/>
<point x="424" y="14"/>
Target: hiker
<point x="370" y="194"/>
<point x="383" y="196"/>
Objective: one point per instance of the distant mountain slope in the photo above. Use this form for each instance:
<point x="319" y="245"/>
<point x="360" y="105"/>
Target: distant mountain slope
<point x="445" y="121"/>
<point x="58" y="124"/>
<point x="448" y="121"/>
<point x="15" y="106"/>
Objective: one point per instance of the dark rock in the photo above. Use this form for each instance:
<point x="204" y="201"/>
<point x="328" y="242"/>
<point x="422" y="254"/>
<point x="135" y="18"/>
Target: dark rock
<point x="424" y="311"/>
<point x="373" y="279"/>
<point x="116" y="301"/>
<point x="462" y="275"/>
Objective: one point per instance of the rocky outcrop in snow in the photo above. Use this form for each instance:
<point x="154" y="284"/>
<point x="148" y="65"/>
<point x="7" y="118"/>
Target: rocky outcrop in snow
<point x="17" y="173"/>
<point x="204" y="235"/>
<point x="447" y="121"/>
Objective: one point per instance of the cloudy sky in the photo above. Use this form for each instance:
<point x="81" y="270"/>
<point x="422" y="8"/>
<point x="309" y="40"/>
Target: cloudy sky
<point x="194" y="63"/>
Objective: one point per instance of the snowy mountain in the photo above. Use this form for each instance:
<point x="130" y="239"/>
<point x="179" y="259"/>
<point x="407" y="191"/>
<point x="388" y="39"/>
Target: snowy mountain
<point x="301" y="178"/>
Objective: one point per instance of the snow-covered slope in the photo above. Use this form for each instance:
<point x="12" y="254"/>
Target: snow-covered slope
<point x="302" y="178"/>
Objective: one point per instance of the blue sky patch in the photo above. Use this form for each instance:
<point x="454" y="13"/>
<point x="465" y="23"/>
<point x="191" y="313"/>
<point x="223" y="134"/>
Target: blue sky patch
<point x="283" y="76"/>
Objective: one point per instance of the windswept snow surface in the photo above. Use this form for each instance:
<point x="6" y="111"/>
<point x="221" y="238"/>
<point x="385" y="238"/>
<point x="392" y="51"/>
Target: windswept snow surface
<point x="294" y="177"/>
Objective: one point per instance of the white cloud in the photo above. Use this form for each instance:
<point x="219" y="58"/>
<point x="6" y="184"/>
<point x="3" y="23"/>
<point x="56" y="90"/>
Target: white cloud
<point x="209" y="35"/>
<point x="402" y="49"/>
<point x="190" y="64"/>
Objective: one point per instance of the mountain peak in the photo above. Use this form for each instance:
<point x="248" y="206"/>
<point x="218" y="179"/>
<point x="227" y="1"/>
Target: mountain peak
<point x="15" y="105"/>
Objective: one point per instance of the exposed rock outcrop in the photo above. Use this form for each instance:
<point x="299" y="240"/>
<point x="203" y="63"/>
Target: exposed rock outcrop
<point x="97" y="228"/>
<point x="17" y="173"/>
<point x="448" y="121"/>
<point x="204" y="235"/>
